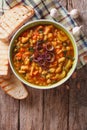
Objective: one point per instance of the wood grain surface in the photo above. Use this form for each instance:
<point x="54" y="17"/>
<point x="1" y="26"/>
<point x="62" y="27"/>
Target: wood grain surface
<point x="31" y="111"/>
<point x="9" y="112"/>
<point x="78" y="85"/>
<point x="62" y="108"/>
<point x="56" y="109"/>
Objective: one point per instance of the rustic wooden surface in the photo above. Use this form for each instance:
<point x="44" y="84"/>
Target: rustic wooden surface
<point x="62" y="108"/>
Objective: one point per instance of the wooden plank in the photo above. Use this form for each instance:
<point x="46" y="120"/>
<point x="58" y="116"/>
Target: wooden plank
<point x="78" y="91"/>
<point x="31" y="111"/>
<point x="78" y="101"/>
<point x="80" y="5"/>
<point x="56" y="109"/>
<point x="8" y="112"/>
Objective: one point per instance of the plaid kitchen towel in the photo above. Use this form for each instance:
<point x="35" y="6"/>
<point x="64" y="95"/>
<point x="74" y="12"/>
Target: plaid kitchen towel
<point x="42" y="11"/>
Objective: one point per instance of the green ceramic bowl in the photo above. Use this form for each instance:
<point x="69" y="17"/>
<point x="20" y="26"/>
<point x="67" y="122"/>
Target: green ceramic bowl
<point x="32" y="24"/>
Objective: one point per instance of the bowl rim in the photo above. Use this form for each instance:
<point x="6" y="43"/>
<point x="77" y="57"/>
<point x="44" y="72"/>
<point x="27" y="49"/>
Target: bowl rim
<point x="69" y="73"/>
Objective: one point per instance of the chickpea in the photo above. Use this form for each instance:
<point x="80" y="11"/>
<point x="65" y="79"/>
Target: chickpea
<point x="62" y="59"/>
<point x="26" y="62"/>
<point x="68" y="48"/>
<point x="48" y="81"/>
<point x="43" y="84"/>
<point x="31" y="31"/>
<point x="28" y="35"/>
<point x="55" y="39"/>
<point x="40" y="69"/>
<point x="37" y="82"/>
<point x="48" y="76"/>
<point x="50" y="35"/>
<point x="21" y="44"/>
<point x="58" y="70"/>
<point x="21" y="71"/>
<point x="44" y="72"/>
<point x="60" y="76"/>
<point x="56" y="76"/>
<point x="59" y="51"/>
<point x="35" y="73"/>
<point x="54" y="43"/>
<point x="24" y="39"/>
<point x="52" y="70"/>
<point x="33" y="41"/>
<point x="45" y="37"/>
<point x="24" y="67"/>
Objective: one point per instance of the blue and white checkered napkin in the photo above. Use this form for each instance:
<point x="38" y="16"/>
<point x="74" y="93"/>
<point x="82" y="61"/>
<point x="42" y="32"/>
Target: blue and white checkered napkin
<point x="42" y="10"/>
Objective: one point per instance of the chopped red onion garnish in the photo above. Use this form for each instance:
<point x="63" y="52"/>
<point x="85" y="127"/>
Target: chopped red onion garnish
<point x="49" y="47"/>
<point x="44" y="54"/>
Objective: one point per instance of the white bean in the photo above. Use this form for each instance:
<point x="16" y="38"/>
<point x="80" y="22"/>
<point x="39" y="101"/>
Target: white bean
<point x="52" y="70"/>
<point x="68" y="65"/>
<point x="62" y="59"/>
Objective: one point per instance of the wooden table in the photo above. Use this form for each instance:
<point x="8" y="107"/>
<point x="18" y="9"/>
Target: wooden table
<point x="61" y="108"/>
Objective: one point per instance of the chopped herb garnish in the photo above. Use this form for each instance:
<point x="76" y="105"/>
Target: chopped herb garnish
<point x="40" y="30"/>
<point x="16" y="49"/>
<point x="30" y="59"/>
<point x="40" y="42"/>
<point x="70" y="57"/>
<point x="43" y="75"/>
<point x="65" y="52"/>
<point x="54" y="81"/>
<point x="29" y="41"/>
<point x="31" y="49"/>
<point x="65" y="44"/>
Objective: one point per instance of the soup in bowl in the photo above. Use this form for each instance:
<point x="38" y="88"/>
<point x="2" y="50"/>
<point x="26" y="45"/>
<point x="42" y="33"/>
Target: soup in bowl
<point x="43" y="54"/>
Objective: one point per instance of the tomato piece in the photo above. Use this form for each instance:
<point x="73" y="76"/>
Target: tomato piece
<point x="25" y="34"/>
<point x="18" y="56"/>
<point x="22" y="50"/>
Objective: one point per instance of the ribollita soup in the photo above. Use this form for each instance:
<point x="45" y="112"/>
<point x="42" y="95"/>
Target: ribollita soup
<point x="43" y="55"/>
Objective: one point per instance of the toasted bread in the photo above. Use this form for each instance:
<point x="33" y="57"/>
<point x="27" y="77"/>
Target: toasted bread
<point x="8" y="82"/>
<point x="3" y="59"/>
<point x="13" y="19"/>
<point x="13" y="87"/>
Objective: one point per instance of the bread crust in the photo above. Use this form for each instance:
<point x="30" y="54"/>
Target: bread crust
<point x="13" y="19"/>
<point x="4" y="67"/>
<point x="13" y="87"/>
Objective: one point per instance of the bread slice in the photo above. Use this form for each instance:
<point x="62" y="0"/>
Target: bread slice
<point x="4" y="67"/>
<point x="13" y="19"/>
<point x="13" y="87"/>
<point x="8" y="75"/>
<point x="3" y="33"/>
